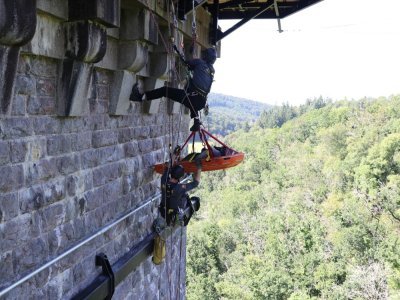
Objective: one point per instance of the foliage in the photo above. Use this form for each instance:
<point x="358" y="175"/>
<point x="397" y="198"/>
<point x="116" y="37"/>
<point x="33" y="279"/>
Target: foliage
<point x="312" y="213"/>
<point x="228" y="114"/>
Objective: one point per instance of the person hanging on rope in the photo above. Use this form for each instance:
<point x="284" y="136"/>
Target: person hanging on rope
<point x="176" y="206"/>
<point x="194" y="95"/>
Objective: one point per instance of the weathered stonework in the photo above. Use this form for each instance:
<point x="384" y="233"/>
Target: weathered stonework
<point x="75" y="153"/>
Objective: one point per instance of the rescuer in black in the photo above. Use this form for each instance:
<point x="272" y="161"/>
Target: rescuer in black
<point x="194" y="95"/>
<point x="176" y="205"/>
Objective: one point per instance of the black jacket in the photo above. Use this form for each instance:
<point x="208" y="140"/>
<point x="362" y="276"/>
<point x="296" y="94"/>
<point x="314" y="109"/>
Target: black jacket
<point x="202" y="75"/>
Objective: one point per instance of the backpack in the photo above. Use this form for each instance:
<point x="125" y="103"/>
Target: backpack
<point x="202" y="78"/>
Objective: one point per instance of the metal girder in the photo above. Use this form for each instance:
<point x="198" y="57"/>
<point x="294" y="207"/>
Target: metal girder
<point x="246" y="10"/>
<point x="186" y="6"/>
<point x="251" y="16"/>
<point x="233" y="3"/>
<point x="240" y="9"/>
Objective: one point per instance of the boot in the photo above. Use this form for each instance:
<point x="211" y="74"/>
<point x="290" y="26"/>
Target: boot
<point x="135" y="94"/>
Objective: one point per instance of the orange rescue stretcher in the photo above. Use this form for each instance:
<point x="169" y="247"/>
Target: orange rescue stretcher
<point x="229" y="159"/>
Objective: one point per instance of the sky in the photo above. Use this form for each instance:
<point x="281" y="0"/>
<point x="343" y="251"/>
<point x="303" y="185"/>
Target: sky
<point x="336" y="49"/>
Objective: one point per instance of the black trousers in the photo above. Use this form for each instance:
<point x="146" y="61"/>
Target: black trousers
<point x="191" y="99"/>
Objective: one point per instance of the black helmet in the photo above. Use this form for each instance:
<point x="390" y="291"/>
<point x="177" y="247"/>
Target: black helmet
<point x="210" y="55"/>
<point x="177" y="171"/>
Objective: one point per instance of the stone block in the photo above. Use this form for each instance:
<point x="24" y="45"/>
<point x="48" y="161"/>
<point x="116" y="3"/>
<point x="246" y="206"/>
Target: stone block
<point x="174" y="107"/>
<point x="13" y="128"/>
<point x="81" y="141"/>
<point x="30" y="255"/>
<point x="58" y="8"/>
<point x="19" y="150"/>
<point x="159" y="130"/>
<point x="111" y="154"/>
<point x="68" y="164"/>
<point x="73" y="125"/>
<point x="152" y="107"/>
<point x="73" y="91"/>
<point x="149" y="160"/>
<point x="36" y="149"/>
<point x="145" y="146"/>
<point x="104" y="174"/>
<point x="40" y="171"/>
<point x="58" y="144"/>
<point x="4" y="153"/>
<point x="49" y="30"/>
<point x="130" y="183"/>
<point x="41" y="106"/>
<point x="46" y="87"/>
<point x="41" y="195"/>
<point x="47" y="125"/>
<point x="77" y="184"/>
<point x="104" y="138"/>
<point x="102" y="93"/>
<point x="11" y="234"/>
<point x="133" y="55"/>
<point x="131" y="149"/>
<point x="141" y="132"/>
<point x="17" y="22"/>
<point x="112" y="190"/>
<point x="110" y="59"/>
<point x="159" y="65"/>
<point x="125" y="135"/>
<point x="52" y="216"/>
<point x="59" y="238"/>
<point x="11" y="178"/>
<point x="18" y="107"/>
<point x="138" y="24"/>
<point x="9" y="207"/>
<point x="106" y="12"/>
<point x="54" y="190"/>
<point x="158" y="143"/>
<point x="93" y="220"/>
<point x="6" y="268"/>
<point x="86" y="41"/>
<point x="94" y="198"/>
<point x="31" y="199"/>
<point x="25" y="84"/>
<point x="120" y="92"/>
<point x="42" y="67"/>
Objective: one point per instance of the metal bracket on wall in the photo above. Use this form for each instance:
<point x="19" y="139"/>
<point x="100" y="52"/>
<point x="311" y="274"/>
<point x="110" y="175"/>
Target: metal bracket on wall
<point x="102" y="260"/>
<point x="100" y="286"/>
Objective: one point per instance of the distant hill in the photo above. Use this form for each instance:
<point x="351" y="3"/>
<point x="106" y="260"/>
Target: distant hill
<point x="228" y="113"/>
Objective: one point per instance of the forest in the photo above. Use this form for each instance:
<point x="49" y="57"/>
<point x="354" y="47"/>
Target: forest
<point x="228" y="114"/>
<point x="312" y="213"/>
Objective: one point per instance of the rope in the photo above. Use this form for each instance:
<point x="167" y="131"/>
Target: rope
<point x="179" y="271"/>
<point x="169" y="50"/>
<point x="176" y="73"/>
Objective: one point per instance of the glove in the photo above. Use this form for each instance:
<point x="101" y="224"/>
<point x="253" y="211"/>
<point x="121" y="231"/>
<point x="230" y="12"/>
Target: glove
<point x="177" y="150"/>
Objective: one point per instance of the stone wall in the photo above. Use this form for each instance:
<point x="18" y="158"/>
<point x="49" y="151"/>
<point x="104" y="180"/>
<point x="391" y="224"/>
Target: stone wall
<point x="75" y="154"/>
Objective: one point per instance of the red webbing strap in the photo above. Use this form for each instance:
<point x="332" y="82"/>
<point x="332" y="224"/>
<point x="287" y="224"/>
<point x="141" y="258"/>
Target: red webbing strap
<point x="214" y="138"/>
<point x="210" y="152"/>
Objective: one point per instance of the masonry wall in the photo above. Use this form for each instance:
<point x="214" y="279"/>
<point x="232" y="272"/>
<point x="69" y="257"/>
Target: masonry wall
<point x="75" y="154"/>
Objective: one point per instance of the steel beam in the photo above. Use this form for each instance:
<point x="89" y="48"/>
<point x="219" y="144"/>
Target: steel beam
<point x="251" y="16"/>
